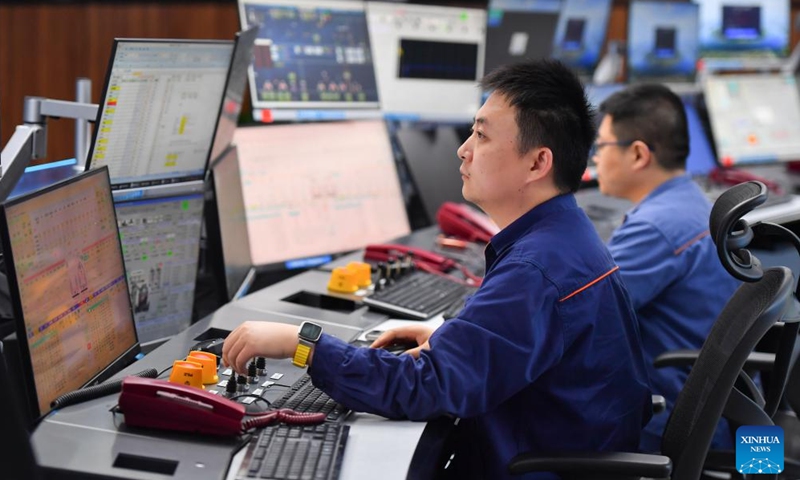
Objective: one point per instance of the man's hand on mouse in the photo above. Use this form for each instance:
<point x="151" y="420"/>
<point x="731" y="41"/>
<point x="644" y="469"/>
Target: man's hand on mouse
<point x="259" y="339"/>
<point x="411" y="333"/>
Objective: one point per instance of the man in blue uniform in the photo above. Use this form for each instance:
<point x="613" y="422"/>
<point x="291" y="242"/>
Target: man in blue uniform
<point x="546" y="355"/>
<point x="664" y="251"/>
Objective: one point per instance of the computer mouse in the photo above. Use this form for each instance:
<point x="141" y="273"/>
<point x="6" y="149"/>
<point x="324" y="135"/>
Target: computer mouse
<point x="213" y="345"/>
<point x="399" y="347"/>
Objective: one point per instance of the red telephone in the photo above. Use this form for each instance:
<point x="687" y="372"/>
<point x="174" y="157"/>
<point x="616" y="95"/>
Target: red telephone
<point x="152" y="403"/>
<point x="462" y="221"/>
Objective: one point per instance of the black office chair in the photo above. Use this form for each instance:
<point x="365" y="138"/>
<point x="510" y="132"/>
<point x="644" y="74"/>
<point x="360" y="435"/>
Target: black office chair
<point x="710" y="390"/>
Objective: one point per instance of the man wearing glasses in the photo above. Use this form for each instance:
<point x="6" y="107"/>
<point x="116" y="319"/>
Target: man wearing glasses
<point x="666" y="256"/>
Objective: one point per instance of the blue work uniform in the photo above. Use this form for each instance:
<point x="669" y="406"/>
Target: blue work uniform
<point x="545" y="356"/>
<point x="676" y="282"/>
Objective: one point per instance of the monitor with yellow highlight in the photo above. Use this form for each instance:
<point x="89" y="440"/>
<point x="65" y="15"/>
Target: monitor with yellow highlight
<point x="159" y="110"/>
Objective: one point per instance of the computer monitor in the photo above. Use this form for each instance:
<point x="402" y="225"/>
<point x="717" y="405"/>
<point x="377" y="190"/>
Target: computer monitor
<point x="744" y="27"/>
<point x="580" y="33"/>
<point x="316" y="189"/>
<point x="69" y="289"/>
<point x="432" y="161"/>
<point x="428" y="60"/>
<point x="160" y="238"/>
<point x="159" y="109"/>
<point x="233" y="242"/>
<point x="312" y="60"/>
<point x="43" y="175"/>
<point x="231" y="104"/>
<point x="662" y="41"/>
<point x="518" y="30"/>
<point x="754" y="117"/>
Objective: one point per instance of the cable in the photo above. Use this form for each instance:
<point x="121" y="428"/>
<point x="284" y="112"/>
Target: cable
<point x="96" y="391"/>
<point x="284" y="415"/>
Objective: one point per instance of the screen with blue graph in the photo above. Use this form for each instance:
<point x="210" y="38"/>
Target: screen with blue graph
<point x="662" y="41"/>
<point x="310" y="54"/>
<point x="744" y="26"/>
<point x="580" y="33"/>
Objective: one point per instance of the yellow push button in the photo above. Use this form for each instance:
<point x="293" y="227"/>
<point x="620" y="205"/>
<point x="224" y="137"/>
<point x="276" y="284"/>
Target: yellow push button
<point x="363" y="273"/>
<point x="343" y="279"/>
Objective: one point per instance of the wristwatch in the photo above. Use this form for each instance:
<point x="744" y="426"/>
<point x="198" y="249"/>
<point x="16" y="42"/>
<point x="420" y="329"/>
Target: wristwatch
<point x="308" y="335"/>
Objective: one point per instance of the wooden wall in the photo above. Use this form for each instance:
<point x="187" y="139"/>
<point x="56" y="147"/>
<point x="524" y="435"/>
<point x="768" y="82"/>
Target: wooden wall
<point x="44" y="46"/>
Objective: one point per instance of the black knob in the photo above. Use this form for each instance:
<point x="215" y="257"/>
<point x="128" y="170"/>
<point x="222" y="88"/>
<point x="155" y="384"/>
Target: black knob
<point x="230" y="386"/>
<point x="261" y="366"/>
<point x="251" y="373"/>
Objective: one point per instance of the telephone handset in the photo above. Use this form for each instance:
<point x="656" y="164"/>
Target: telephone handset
<point x="423" y="260"/>
<point x="462" y="221"/>
<point x="152" y="403"/>
<point x="383" y="252"/>
<point x="160" y="404"/>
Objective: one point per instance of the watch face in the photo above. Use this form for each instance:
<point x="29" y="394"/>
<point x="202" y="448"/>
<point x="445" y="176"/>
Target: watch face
<point x="310" y="331"/>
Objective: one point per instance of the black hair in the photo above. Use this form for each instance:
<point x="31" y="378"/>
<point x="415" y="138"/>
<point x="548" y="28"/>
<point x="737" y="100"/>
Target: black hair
<point x="551" y="111"/>
<point x="655" y="115"/>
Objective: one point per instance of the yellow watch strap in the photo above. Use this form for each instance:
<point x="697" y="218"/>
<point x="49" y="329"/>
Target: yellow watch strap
<point x="301" y="355"/>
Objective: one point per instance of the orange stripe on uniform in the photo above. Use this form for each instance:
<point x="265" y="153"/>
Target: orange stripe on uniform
<point x="589" y="284"/>
<point x="690" y="242"/>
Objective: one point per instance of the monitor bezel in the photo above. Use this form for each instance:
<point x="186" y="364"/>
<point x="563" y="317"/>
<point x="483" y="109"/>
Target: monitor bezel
<point x="124" y="359"/>
<point x="298" y="105"/>
<point x="104" y="95"/>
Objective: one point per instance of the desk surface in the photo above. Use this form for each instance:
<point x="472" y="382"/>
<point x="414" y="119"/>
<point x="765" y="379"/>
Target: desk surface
<point x="87" y="438"/>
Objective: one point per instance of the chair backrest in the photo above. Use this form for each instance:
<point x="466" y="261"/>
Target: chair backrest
<point x="748" y="315"/>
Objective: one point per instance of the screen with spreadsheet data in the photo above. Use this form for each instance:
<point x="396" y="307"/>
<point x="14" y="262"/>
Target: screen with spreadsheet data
<point x="67" y="279"/>
<point x="319" y="188"/>
<point x="159" y="110"/>
<point x="161" y="246"/>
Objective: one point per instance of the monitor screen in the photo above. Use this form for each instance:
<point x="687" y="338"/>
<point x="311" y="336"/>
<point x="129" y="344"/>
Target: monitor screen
<point x="662" y="41"/>
<point x="235" y="244"/>
<point x="581" y="33"/>
<point x="428" y="60"/>
<point x="67" y="281"/>
<point x="234" y="92"/>
<point x="154" y="123"/>
<point x="161" y="246"/>
<point x="315" y="189"/>
<point x="310" y="54"/>
<point x="744" y="27"/>
<point x="518" y="30"/>
<point x="754" y="118"/>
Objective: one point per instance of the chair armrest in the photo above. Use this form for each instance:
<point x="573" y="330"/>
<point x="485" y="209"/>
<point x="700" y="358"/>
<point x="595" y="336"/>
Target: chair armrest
<point x="659" y="403"/>
<point x="608" y="463"/>
<point x="681" y="358"/>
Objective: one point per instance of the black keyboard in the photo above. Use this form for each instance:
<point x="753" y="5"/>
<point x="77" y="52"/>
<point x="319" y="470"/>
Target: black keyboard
<point x="305" y="397"/>
<point x="301" y="452"/>
<point x="455" y="308"/>
<point x="418" y="295"/>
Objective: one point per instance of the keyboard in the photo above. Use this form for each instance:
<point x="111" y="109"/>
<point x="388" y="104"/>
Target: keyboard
<point x="302" y="452"/>
<point x="418" y="295"/>
<point x="455" y="308"/>
<point x="305" y="397"/>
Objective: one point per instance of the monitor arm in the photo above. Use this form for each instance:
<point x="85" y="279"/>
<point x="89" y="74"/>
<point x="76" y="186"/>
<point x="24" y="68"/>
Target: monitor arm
<point x="29" y="141"/>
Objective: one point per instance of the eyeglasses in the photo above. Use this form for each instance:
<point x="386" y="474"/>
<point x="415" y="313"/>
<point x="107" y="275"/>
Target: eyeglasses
<point x="619" y="143"/>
